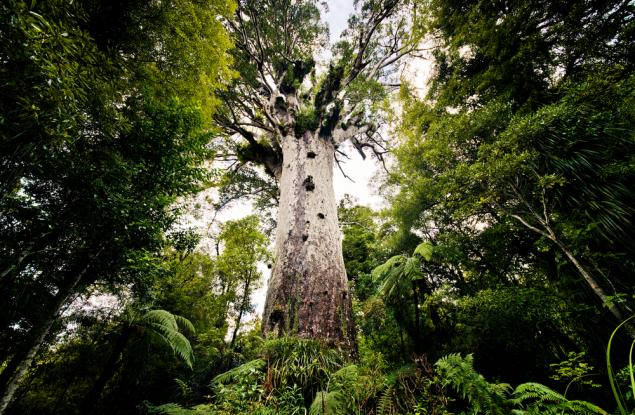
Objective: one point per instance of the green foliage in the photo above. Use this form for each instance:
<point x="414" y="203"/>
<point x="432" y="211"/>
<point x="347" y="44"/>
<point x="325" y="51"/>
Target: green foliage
<point x="330" y="403"/>
<point x="617" y="394"/>
<point x="380" y="333"/>
<point x="101" y="133"/>
<point x="306" y="120"/>
<point x="361" y="242"/>
<point x="484" y="397"/>
<point x="169" y="326"/>
<point x="306" y="363"/>
<point x="509" y="168"/>
<point x="401" y="269"/>
<point x="459" y="373"/>
<point x="574" y="370"/>
<point x="247" y="370"/>
<point x="539" y="399"/>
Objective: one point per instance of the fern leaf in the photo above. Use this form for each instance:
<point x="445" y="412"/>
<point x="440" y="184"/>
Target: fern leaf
<point x="425" y="249"/>
<point x="386" y="404"/>
<point x="185" y="324"/>
<point x="382" y="270"/>
<point x="327" y="403"/>
<point x="239" y="372"/>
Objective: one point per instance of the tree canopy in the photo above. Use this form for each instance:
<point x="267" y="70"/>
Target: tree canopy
<point x="496" y="279"/>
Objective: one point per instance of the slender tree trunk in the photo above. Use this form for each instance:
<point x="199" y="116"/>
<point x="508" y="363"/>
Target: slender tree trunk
<point x="415" y="300"/>
<point x="308" y="291"/>
<point x="595" y="287"/>
<point x="108" y="371"/>
<point x="20" y="363"/>
<point x="243" y="304"/>
<point x="548" y="232"/>
<point x="402" y="346"/>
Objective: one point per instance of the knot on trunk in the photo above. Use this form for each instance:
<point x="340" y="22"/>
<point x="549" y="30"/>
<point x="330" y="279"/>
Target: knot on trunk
<point x="308" y="183"/>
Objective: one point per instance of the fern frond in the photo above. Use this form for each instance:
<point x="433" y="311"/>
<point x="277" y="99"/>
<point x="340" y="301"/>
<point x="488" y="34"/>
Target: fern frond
<point x="241" y="371"/>
<point x="386" y="404"/>
<point x="425" y="249"/>
<point x="536" y="391"/>
<point x="459" y="373"/>
<point x="184" y="324"/>
<point x="585" y="407"/>
<point x="328" y="403"/>
<point x="538" y="398"/>
<point x="166" y="326"/>
<point x="160" y="318"/>
<point x="412" y="269"/>
<point x="380" y="272"/>
<point x="179" y="344"/>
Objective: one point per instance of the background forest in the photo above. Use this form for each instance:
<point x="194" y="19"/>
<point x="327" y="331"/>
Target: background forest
<point x="491" y="284"/>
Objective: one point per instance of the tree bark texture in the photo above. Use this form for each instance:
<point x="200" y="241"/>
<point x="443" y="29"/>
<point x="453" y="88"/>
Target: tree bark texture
<point x="21" y="362"/>
<point x="308" y="292"/>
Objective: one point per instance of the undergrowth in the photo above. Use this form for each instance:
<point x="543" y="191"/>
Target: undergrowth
<point x="299" y="376"/>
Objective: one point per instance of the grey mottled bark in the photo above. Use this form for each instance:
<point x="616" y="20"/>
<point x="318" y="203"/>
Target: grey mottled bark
<point x="308" y="292"/>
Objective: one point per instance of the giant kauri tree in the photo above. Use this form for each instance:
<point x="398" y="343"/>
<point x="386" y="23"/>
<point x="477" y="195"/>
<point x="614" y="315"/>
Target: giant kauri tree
<point x="281" y="114"/>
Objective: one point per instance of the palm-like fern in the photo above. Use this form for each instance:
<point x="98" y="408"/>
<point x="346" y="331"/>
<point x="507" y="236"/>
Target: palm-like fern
<point x="160" y="323"/>
<point x="401" y="269"/>
<point x="168" y="327"/>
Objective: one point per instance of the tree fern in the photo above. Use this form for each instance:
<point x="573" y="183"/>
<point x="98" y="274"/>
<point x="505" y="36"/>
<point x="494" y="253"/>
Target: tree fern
<point x="167" y="325"/>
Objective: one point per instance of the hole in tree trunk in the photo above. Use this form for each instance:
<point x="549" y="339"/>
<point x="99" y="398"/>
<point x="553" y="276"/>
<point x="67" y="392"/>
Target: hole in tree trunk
<point x="276" y="317"/>
<point x="321" y="215"/>
<point x="310" y="155"/>
<point x="305" y="237"/>
<point x="308" y="184"/>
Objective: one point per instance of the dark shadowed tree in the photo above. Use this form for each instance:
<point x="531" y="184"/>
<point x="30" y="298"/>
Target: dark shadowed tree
<point x="100" y="132"/>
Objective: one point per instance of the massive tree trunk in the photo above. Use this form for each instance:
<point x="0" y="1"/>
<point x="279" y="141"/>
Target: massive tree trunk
<point x="308" y="292"/>
<point x="289" y="119"/>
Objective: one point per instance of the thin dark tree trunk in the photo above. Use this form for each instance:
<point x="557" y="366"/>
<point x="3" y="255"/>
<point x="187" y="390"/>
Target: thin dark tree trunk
<point x="108" y="371"/>
<point x="415" y="299"/>
<point x="243" y="305"/>
<point x="401" y="344"/>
